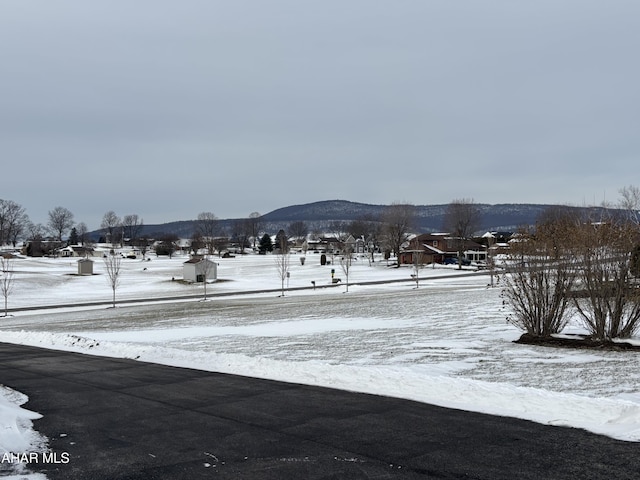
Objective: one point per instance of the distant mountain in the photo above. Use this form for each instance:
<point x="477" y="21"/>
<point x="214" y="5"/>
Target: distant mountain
<point x="320" y="216"/>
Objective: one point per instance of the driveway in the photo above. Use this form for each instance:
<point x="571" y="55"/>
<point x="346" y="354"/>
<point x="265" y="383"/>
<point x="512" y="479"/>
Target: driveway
<point x="124" y="419"/>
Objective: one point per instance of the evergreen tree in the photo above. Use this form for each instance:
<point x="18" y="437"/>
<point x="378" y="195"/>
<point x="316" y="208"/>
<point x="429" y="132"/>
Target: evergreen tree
<point x="266" y="245"/>
<point x="73" y="237"/>
<point x="282" y="242"/>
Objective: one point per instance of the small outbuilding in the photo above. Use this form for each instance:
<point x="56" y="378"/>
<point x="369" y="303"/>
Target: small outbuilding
<point x="197" y="268"/>
<point x="85" y="266"/>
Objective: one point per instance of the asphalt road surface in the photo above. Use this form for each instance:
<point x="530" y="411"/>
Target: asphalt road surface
<point x="123" y="419"/>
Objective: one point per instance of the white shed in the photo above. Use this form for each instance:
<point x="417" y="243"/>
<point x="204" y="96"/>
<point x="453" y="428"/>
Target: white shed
<point x="197" y="268"/>
<point x="85" y="266"/>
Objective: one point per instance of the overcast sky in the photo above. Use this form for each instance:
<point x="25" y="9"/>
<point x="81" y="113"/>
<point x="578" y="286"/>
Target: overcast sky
<point x="169" y="108"/>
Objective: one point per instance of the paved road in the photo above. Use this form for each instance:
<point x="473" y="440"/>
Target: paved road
<point x="123" y="419"/>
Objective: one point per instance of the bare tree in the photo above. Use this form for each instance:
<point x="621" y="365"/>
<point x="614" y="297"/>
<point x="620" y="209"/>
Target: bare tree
<point x="611" y="304"/>
<point x="345" y="263"/>
<point x="540" y="274"/>
<point x="242" y="233"/>
<point x="491" y="260"/>
<point x="298" y="230"/>
<point x="83" y="231"/>
<point x="282" y="260"/>
<point x="168" y="245"/>
<point x="196" y="242"/>
<point x="112" y="264"/>
<point x="207" y="227"/>
<point x="461" y="220"/>
<point x="35" y="231"/>
<point x="219" y="244"/>
<point x="143" y="244"/>
<point x="339" y="229"/>
<point x="634" y="266"/>
<point x="397" y="220"/>
<point x="60" y="220"/>
<point x="18" y="230"/>
<point x="336" y="235"/>
<point x="132" y="226"/>
<point x="207" y="266"/>
<point x="630" y="202"/>
<point x="360" y="227"/>
<point x="6" y="281"/>
<point x="110" y="222"/>
<point x="255" y="225"/>
<point x="417" y="265"/>
<point x="13" y="221"/>
<point x="369" y="230"/>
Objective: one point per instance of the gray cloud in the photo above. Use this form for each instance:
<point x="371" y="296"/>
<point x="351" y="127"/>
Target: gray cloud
<point x="166" y="109"/>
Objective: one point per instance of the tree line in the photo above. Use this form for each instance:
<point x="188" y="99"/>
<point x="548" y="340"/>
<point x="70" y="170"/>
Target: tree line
<point x="393" y="226"/>
<point x="16" y="225"/>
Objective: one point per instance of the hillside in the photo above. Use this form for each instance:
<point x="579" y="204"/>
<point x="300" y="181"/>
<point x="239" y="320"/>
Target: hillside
<point x="430" y="217"/>
<point x="320" y="216"/>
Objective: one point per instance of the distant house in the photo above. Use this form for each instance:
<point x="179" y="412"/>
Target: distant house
<point x="498" y="241"/>
<point x="75" y="251"/>
<point x="197" y="268"/>
<point x="331" y="244"/>
<point x="350" y="244"/>
<point x="438" y="247"/>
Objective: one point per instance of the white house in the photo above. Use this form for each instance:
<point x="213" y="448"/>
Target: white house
<point x="76" y="251"/>
<point x="197" y="268"/>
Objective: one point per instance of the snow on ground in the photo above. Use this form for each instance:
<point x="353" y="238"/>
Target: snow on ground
<point x="54" y="281"/>
<point x="445" y="343"/>
<point x="17" y="434"/>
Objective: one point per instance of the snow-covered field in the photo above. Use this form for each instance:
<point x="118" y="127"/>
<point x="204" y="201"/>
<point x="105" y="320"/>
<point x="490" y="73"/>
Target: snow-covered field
<point x="446" y="342"/>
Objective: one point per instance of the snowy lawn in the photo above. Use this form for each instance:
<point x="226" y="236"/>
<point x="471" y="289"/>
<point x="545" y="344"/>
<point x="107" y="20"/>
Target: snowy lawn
<point x="445" y="343"/>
